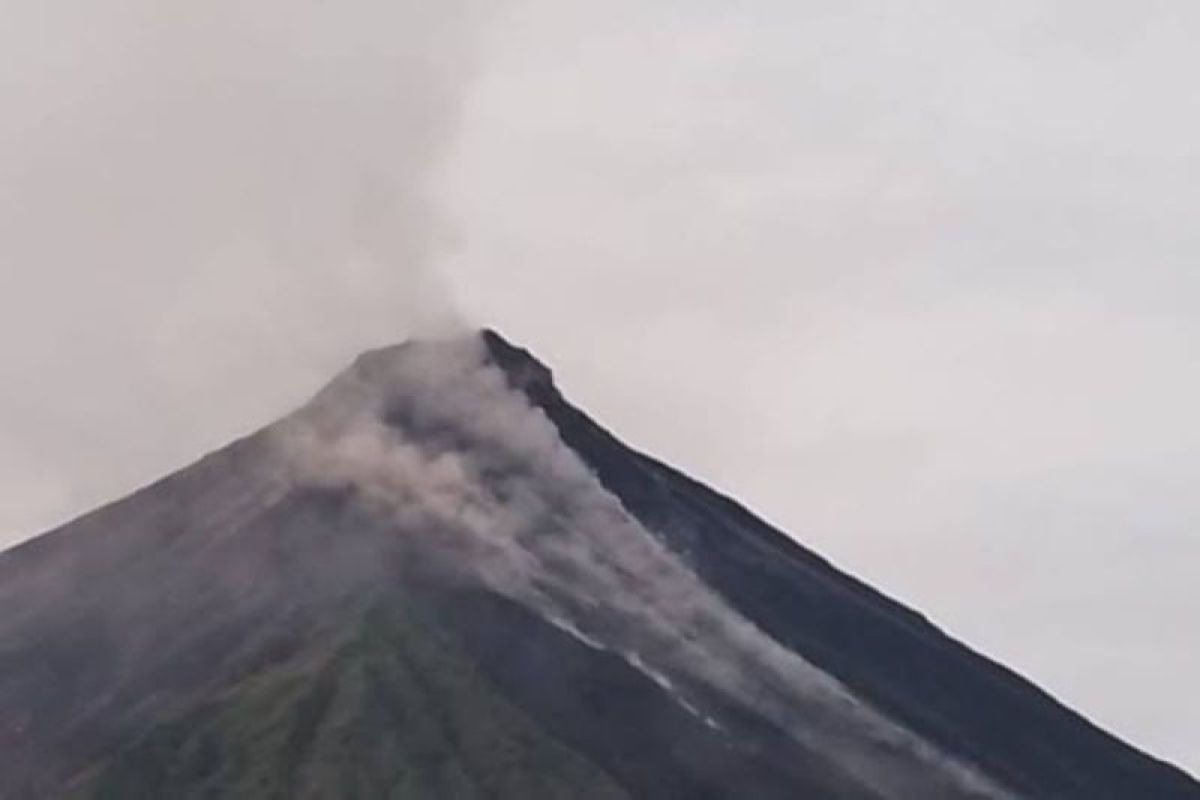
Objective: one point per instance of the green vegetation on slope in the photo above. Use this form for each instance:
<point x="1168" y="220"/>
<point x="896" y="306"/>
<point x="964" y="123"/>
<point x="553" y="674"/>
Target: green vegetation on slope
<point x="393" y="710"/>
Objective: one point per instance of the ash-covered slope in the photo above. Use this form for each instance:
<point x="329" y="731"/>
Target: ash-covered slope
<point x="439" y="579"/>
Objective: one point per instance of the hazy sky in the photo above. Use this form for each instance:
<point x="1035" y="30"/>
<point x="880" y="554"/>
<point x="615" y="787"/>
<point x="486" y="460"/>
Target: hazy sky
<point x="919" y="282"/>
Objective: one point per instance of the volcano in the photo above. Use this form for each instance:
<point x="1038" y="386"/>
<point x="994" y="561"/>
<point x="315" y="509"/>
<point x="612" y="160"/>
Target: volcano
<point x="439" y="579"/>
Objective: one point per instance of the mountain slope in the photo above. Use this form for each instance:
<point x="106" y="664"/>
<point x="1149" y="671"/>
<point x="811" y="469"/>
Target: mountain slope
<point x="439" y="579"/>
<point x="885" y="651"/>
<point x="391" y="711"/>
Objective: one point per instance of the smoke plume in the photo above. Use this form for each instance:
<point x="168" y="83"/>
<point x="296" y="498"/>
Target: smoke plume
<point x="222" y="201"/>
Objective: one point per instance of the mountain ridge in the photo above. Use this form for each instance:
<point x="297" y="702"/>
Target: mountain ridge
<point x="578" y="429"/>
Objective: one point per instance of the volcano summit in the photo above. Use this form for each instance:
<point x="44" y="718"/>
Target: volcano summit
<point x="438" y="579"/>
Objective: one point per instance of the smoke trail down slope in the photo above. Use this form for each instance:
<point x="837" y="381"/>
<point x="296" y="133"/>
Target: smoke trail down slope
<point x="435" y="434"/>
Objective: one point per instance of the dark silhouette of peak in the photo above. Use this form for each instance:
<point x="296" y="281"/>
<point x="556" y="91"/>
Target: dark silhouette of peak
<point x="525" y="372"/>
<point x="441" y="579"/>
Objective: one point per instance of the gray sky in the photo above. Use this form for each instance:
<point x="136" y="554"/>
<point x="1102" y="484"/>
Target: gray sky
<point x="919" y="282"/>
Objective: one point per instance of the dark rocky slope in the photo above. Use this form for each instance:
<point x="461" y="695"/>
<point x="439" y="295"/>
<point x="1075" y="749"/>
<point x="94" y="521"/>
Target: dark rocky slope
<point x="888" y="653"/>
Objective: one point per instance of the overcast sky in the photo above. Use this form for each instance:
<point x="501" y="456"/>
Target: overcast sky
<point x="919" y="282"/>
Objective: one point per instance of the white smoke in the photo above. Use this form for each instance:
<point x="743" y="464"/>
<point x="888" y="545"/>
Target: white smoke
<point x="207" y="206"/>
<point x="434" y="435"/>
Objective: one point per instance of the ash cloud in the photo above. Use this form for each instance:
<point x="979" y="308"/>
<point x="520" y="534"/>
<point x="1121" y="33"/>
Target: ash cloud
<point x="218" y="203"/>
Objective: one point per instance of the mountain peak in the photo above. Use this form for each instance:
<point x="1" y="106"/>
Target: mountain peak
<point x="436" y="366"/>
<point x="524" y="371"/>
